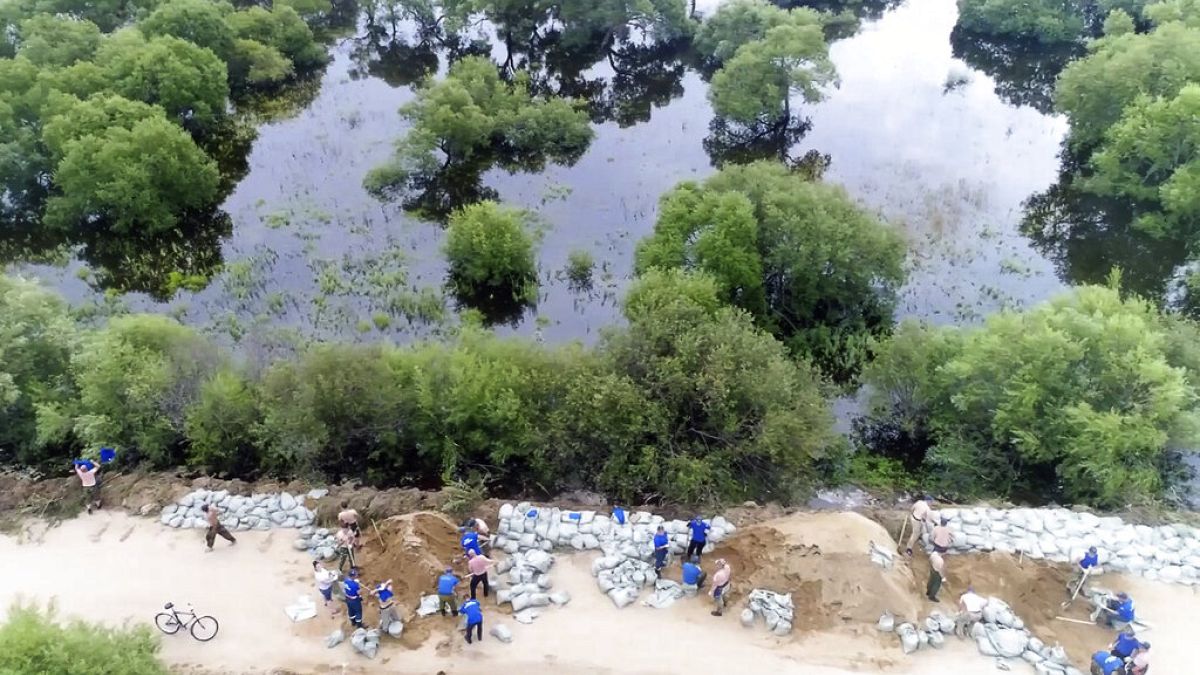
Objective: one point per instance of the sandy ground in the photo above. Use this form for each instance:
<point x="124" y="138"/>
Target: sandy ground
<point x="131" y="566"/>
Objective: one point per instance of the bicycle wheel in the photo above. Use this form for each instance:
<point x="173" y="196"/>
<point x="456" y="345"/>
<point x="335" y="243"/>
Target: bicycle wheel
<point x="204" y="628"/>
<point x="167" y="623"/>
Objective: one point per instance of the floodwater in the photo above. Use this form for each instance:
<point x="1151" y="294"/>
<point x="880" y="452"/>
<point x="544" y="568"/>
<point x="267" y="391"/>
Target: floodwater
<point x="947" y="149"/>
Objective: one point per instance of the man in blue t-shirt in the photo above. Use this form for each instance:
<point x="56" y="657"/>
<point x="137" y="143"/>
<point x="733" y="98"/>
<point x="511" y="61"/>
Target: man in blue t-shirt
<point x="1123" y="646"/>
<point x="353" y="592"/>
<point x="661" y="548"/>
<point x="474" y="614"/>
<point x="692" y="574"/>
<point x="699" y="530"/>
<point x="1116" y="612"/>
<point x="1086" y="566"/>
<point x="470" y="541"/>
<point x="1104" y="663"/>
<point x="445" y="589"/>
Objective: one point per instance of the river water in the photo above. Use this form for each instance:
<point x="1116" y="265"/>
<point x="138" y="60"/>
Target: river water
<point x="946" y="152"/>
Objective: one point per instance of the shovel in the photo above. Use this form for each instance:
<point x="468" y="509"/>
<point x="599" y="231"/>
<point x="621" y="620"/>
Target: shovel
<point x="1074" y="594"/>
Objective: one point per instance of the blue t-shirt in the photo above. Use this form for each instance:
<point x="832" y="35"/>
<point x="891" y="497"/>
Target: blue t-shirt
<point x="1125" y="610"/>
<point x="351" y="589"/>
<point x="1089" y="560"/>
<point x="1107" y="662"/>
<point x="661" y="540"/>
<point x="383" y="593"/>
<point x="691" y="573"/>
<point x="699" y="530"/>
<point x="619" y="515"/>
<point x="446" y="584"/>
<point x="472" y="611"/>
<point x="1125" y="645"/>
<point x="470" y="542"/>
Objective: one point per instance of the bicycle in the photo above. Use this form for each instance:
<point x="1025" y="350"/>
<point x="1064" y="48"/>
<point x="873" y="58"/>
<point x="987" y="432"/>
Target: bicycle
<point x="202" y="628"/>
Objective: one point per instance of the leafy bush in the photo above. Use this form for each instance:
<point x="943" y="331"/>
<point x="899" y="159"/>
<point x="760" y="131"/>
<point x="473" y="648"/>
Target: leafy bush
<point x="491" y="249"/>
<point x="1079" y="398"/>
<point x="580" y="264"/>
<point x="31" y="641"/>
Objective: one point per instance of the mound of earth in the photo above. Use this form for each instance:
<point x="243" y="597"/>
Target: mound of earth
<point x="411" y="550"/>
<point x="823" y="560"/>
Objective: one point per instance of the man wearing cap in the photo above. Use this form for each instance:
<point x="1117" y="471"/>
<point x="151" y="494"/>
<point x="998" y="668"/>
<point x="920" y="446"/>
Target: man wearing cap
<point x="87" y="471"/>
<point x="1116" y="612"/>
<point x="970" y="605"/>
<point x="445" y="589"/>
<point x="942" y="537"/>
<point x="699" y="530"/>
<point x="352" y="591"/>
<point x="469" y="539"/>
<point x="1124" y="646"/>
<point x="693" y="576"/>
<point x="474" y="614"/>
<point x="920" y="520"/>
<point x="387" y="604"/>
<point x="1085" y="567"/>
<point x="937" y="568"/>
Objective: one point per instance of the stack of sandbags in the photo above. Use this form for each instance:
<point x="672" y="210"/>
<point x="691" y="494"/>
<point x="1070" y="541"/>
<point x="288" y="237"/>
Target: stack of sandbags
<point x="666" y="592"/>
<point x="365" y="642"/>
<point x="528" y="578"/>
<point x="776" y="609"/>
<point x="1168" y="553"/>
<point x="319" y="542"/>
<point x="258" y="511"/>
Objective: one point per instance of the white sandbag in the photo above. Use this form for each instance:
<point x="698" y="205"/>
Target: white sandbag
<point x="506" y="511"/>
<point x="395" y="629"/>
<point x="543" y="581"/>
<point x="539" y="560"/>
<point x="909" y="640"/>
<point x="560" y="598"/>
<point x="503" y="596"/>
<point x="516" y="526"/>
<point x="335" y="638"/>
<point x="604" y="563"/>
<point x="945" y="624"/>
<point x="299" y="544"/>
<point x="501" y="633"/>
<point x="886" y="623"/>
<point x="986" y="647"/>
<point x="303" y="609"/>
<point x="567" y="531"/>
<point x="747" y="617"/>
<point x="428" y="605"/>
<point x="590" y="542"/>
<point x="622" y="597"/>
<point x="541" y="529"/>
<point x="1031" y="657"/>
<point x="1010" y="643"/>
<point x="520" y="602"/>
<point x="936" y="639"/>
<point x="782" y="628"/>
<point x="577" y="542"/>
<point x="527" y="616"/>
<point x="538" y="599"/>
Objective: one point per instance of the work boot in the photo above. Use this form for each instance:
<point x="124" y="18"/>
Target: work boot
<point x="716" y="612"/>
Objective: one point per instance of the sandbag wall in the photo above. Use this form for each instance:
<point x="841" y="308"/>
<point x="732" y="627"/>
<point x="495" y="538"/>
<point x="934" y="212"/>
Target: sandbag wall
<point x="1168" y="553"/>
<point x="256" y="512"/>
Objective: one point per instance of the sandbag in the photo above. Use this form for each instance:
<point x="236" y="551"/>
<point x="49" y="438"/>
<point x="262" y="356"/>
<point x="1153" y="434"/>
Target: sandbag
<point x="909" y="640"/>
<point x="506" y="511"/>
<point x="503" y="596"/>
<point x="520" y="602"/>
<point x="936" y="639"/>
<point x="782" y="628"/>
<point x="501" y="633"/>
<point x="560" y="598"/>
<point x="986" y="647"/>
<point x="335" y="638"/>
<point x="527" y="616"/>
<point x="622" y="597"/>
<point x="538" y="599"/>
<point x="886" y="623"/>
<point x="747" y="617"/>
<point x="395" y="629"/>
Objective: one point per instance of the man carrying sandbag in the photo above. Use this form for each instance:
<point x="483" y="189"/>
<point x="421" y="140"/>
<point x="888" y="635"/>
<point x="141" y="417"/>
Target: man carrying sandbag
<point x="919" y="520"/>
<point x="445" y="590"/>
<point x="970" y="605"/>
<point x="721" y="580"/>
<point x="88" y="471"/>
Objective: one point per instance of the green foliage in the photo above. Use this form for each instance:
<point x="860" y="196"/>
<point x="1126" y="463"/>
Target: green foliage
<point x="811" y="267"/>
<point x="741" y="22"/>
<point x="1047" y="21"/>
<point x="1095" y="91"/>
<point x="490" y="248"/>
<point x="1079" y="397"/>
<point x="1118" y="22"/>
<point x="137" y="378"/>
<point x="1152" y="156"/>
<point x="220" y="425"/>
<point x="189" y="82"/>
<point x="1186" y="12"/>
<point x="58" y="41"/>
<point x="32" y="641"/>
<point x="757" y="83"/>
<point x="281" y="28"/>
<point x="258" y="65"/>
<point x="474" y="116"/>
<point x="201" y="22"/>
<point x="37" y="337"/>
<point x="880" y="474"/>
<point x="580" y="264"/>
<point x="139" y="179"/>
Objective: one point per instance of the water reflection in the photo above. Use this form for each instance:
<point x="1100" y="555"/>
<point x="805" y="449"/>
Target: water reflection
<point x="1024" y="71"/>
<point x="735" y="143"/>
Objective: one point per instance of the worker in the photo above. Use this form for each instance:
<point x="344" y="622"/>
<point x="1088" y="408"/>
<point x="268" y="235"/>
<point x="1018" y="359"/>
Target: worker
<point x="483" y="534"/>
<point x="942" y="537"/>
<point x="937" y="568"/>
<point x="970" y="605"/>
<point x="325" y="580"/>
<point x="721" y="580"/>
<point x="618" y="514"/>
<point x="348" y="519"/>
<point x="1141" y="659"/>
<point x="344" y="543"/>
<point x="1125" y="644"/>
<point x="353" y="594"/>
<point x="387" y="604"/>
<point x="212" y="515"/>
<point x="474" y="614"/>
<point x="693" y="576"/>
<point x="1086" y="566"/>
<point x="1116" y="612"/>
<point x="88" y="472"/>
<point x="919" y="521"/>
<point x="445" y="589"/>
<point x="469" y="541"/>
<point x="478" y="566"/>
<point x="661" y="547"/>
<point x="699" y="530"/>
<point x="1104" y="663"/>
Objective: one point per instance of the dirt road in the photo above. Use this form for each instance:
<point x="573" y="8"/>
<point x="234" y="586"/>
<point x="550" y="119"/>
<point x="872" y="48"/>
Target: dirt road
<point x="115" y="568"/>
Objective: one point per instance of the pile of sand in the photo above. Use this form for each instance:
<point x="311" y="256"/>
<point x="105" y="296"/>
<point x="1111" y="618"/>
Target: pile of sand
<point x="822" y="560"/>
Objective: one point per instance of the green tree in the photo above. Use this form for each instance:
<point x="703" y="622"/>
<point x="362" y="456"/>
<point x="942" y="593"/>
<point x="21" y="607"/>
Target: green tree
<point x="138" y="179"/>
<point x="1152" y="157"/>
<point x="220" y="427"/>
<point x="757" y="84"/>
<point x="741" y="22"/>
<point x="1118" y="22"/>
<point x="32" y="641"/>
<point x="491" y="248"/>
<point x="829" y="271"/>
<point x="281" y="28"/>
<point x="1047" y="21"/>
<point x="1078" y="395"/>
<point x="188" y="81"/>
<point x="201" y="22"/>
<point x="72" y="119"/>
<point x="37" y="337"/>
<point x="257" y="65"/>
<point x="107" y="14"/>
<point x="1186" y="12"/>
<point x="58" y="41"/>
<point x="138" y="377"/>
<point x="1094" y="91"/>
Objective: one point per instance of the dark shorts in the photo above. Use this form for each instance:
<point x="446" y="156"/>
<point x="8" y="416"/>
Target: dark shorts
<point x="720" y="590"/>
<point x="326" y="593"/>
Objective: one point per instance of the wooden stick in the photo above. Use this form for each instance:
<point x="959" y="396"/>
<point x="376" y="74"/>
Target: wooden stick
<point x="377" y="534"/>
<point x="1080" y="621"/>
<point x="900" y="542"/>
